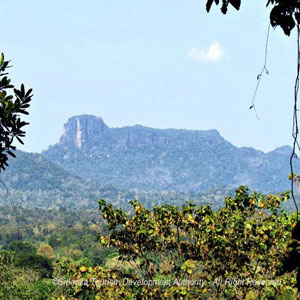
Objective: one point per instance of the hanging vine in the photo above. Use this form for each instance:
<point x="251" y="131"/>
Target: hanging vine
<point x="263" y="71"/>
<point x="286" y="15"/>
<point x="295" y="131"/>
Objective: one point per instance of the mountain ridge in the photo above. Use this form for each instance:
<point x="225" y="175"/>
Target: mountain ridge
<point x="164" y="159"/>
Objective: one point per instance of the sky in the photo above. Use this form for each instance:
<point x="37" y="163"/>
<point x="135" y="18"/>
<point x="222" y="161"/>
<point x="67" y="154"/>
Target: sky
<point x="162" y="64"/>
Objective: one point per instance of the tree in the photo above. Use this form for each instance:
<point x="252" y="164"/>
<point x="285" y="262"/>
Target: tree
<point x="285" y="13"/>
<point x="13" y="103"/>
<point x="46" y="250"/>
<point x="235" y="252"/>
<point x="20" y="247"/>
<point x="38" y="263"/>
<point x="22" y="283"/>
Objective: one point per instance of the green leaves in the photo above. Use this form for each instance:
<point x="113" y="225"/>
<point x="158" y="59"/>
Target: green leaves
<point x="246" y="239"/>
<point x="13" y="103"/>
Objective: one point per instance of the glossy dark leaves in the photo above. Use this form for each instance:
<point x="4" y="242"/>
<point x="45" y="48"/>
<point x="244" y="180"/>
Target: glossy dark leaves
<point x="235" y="3"/>
<point x="281" y="16"/>
<point x="209" y="4"/>
<point x="285" y="13"/>
<point x="13" y="103"/>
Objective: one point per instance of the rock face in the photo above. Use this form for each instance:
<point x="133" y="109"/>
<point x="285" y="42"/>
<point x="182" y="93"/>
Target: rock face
<point x="159" y="159"/>
<point x="80" y="130"/>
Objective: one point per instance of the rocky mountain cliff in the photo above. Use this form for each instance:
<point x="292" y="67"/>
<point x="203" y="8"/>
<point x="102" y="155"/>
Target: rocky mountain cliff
<point x="138" y="157"/>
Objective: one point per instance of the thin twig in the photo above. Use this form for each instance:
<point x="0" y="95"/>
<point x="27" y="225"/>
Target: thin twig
<point x="7" y="192"/>
<point x="9" y="197"/>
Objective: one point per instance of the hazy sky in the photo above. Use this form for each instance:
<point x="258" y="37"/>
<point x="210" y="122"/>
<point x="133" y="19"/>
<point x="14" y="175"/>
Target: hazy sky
<point x="163" y="64"/>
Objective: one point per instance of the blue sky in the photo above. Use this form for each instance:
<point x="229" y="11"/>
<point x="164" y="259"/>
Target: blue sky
<point x="163" y="64"/>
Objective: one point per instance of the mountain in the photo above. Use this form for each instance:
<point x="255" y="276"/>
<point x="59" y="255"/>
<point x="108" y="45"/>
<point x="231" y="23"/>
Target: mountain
<point x="33" y="181"/>
<point x="138" y="157"/>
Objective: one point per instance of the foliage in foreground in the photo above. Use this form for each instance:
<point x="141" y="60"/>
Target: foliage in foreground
<point x="13" y="103"/>
<point x="237" y="252"/>
<point x="284" y="13"/>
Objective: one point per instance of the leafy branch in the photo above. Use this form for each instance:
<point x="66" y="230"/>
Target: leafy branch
<point x="13" y="103"/>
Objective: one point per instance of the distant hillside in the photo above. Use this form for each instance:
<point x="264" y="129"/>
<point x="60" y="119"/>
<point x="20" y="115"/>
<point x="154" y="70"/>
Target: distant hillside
<point x="144" y="158"/>
<point x="33" y="181"/>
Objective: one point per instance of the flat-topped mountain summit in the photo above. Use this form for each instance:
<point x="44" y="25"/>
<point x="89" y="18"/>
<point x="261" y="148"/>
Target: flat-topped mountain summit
<point x="139" y="157"/>
<point x="86" y="130"/>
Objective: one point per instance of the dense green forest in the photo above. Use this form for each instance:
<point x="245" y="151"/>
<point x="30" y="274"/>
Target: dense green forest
<point x="247" y="249"/>
<point x="34" y="243"/>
